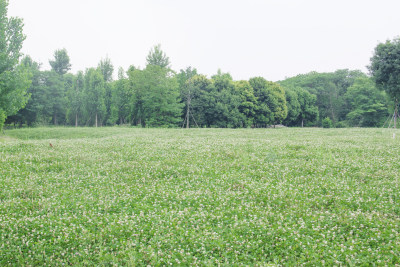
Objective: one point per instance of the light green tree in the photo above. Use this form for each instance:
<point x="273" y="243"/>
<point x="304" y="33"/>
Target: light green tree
<point x="158" y="57"/>
<point x="60" y="64"/>
<point x="106" y="68"/>
<point x="94" y="94"/>
<point x="120" y="109"/>
<point x="75" y="98"/>
<point x="14" y="77"/>
<point x="155" y="97"/>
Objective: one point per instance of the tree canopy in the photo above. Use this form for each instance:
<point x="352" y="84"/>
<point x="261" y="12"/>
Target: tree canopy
<point x="60" y="64"/>
<point x="158" y="57"/>
<point x="156" y="96"/>
<point x="15" y="78"/>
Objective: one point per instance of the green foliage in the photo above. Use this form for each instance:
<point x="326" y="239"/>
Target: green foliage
<point x="2" y="119"/>
<point x="225" y="112"/>
<point x="368" y="104"/>
<point x="75" y="96"/>
<point x="271" y="101"/>
<point x="385" y="67"/>
<point x="157" y="57"/>
<point x="94" y="93"/>
<point x="155" y="97"/>
<point x="120" y="106"/>
<point x="54" y="88"/>
<point x="158" y="97"/>
<point x="60" y="64"/>
<point x="14" y="77"/>
<point x="329" y="89"/>
<point x="106" y="68"/>
<point x="248" y="102"/>
<point x="204" y="197"/>
<point x="327" y="123"/>
<point x="293" y="106"/>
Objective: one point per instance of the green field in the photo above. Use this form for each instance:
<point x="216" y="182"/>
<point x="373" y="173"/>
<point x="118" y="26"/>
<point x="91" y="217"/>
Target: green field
<point x="130" y="196"/>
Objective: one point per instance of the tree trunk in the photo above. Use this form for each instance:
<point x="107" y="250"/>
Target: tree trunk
<point x="76" y="120"/>
<point x="395" y="113"/>
<point x="331" y="107"/>
<point x="96" y="119"/>
<point x="55" y="119"/>
<point x="187" y="116"/>
<point x="302" y="123"/>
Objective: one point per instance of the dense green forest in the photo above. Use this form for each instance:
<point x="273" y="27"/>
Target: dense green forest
<point x="157" y="96"/>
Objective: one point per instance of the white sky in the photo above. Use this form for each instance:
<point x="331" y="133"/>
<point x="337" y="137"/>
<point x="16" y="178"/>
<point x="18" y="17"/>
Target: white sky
<point x="271" y="38"/>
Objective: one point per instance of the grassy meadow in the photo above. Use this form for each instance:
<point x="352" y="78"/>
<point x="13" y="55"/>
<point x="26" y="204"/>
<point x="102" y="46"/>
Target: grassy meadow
<point x="130" y="196"/>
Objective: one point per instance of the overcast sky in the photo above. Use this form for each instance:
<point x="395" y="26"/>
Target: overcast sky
<point x="270" y="38"/>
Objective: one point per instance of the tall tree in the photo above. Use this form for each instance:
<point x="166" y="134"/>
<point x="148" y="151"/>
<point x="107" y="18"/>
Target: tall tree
<point x="293" y="105"/>
<point x="368" y="104"/>
<point x="27" y="115"/>
<point x="75" y="98"/>
<point x="106" y="68"/>
<point x="248" y="102"/>
<point x="155" y="95"/>
<point x="385" y="69"/>
<point x="203" y="102"/>
<point x="158" y="57"/>
<point x="227" y="102"/>
<point x="60" y="64"/>
<point x="94" y="95"/>
<point x="14" y="77"/>
<point x="184" y="78"/>
<point x="55" y="91"/>
<point x="272" y="107"/>
<point x="308" y="108"/>
<point x="120" y="108"/>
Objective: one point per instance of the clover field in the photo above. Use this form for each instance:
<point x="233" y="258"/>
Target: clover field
<point x="131" y="196"/>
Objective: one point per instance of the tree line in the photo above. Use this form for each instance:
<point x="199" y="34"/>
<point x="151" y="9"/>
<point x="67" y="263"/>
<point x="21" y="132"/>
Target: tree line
<point x="157" y="96"/>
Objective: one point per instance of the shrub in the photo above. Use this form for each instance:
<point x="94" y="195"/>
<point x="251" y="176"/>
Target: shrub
<point x="327" y="123"/>
<point x="340" y="124"/>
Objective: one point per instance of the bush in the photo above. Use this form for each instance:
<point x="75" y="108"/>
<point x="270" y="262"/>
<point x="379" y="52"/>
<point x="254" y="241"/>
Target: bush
<point x="327" y="123"/>
<point x="340" y="124"/>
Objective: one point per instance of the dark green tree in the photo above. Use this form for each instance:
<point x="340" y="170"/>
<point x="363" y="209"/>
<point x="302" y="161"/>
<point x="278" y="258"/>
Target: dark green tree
<point x="55" y="95"/>
<point x="248" y="102"/>
<point x="308" y="108"/>
<point x="227" y="102"/>
<point x="293" y="105"/>
<point x="385" y="69"/>
<point x="271" y="101"/>
<point x="203" y="102"/>
<point x="329" y="88"/>
<point x="368" y="104"/>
